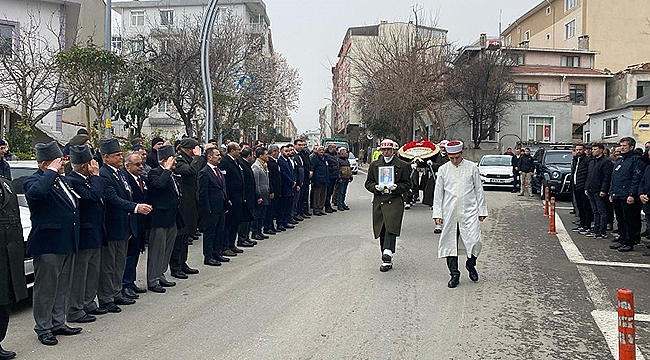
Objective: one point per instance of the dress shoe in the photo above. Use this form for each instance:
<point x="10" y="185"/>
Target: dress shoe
<point x="245" y="244"/>
<point x="289" y="226"/>
<point x="329" y="211"/>
<point x="236" y="250"/>
<point x="84" y="319"/>
<point x="48" y="339"/>
<point x="346" y="207"/>
<point x="138" y="290"/>
<point x="473" y="274"/>
<point x="298" y="218"/>
<point x="157" y="289"/>
<point x="121" y="300"/>
<point x="190" y="241"/>
<point x="317" y="213"/>
<point x="307" y="214"/>
<point x="178" y="274"/>
<point x="263" y="236"/>
<point x="98" y="311"/>
<point x="333" y="209"/>
<point x="165" y="283"/>
<point x="340" y="208"/>
<point x="221" y="259"/>
<point x="6" y="354"/>
<point x="281" y="228"/>
<point x="111" y="308"/>
<point x="454" y="281"/>
<point x="252" y="242"/>
<point x="645" y="233"/>
<point x="66" y="330"/>
<point x="292" y="222"/>
<point x="385" y="267"/>
<point x="615" y="245"/>
<point x="228" y="253"/>
<point x="211" y="262"/>
<point x="188" y="270"/>
<point x="625" y="248"/>
<point x="258" y="237"/>
<point x="129" y="293"/>
<point x="270" y="232"/>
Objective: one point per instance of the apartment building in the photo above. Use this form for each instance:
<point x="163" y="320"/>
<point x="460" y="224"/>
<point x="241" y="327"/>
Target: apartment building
<point x="346" y="74"/>
<point x="618" y="30"/>
<point x="628" y="85"/>
<point x="57" y="23"/>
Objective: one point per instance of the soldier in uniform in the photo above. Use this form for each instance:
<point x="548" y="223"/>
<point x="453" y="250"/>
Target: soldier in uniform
<point x="388" y="200"/>
<point x="53" y="241"/>
<point x="12" y="271"/>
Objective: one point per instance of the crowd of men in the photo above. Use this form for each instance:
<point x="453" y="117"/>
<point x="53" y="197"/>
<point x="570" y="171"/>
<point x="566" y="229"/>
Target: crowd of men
<point x="94" y="212"/>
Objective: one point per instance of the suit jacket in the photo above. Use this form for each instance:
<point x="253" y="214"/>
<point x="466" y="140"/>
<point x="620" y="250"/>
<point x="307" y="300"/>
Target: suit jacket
<point x="187" y="170"/>
<point x="306" y="162"/>
<point x="166" y="199"/>
<point x="91" y="209"/>
<point x="262" y="188"/>
<point x="119" y="219"/>
<point x="55" y="218"/>
<point x="299" y="169"/>
<point x="12" y="247"/>
<point x="288" y="177"/>
<point x="249" y="190"/>
<point x="136" y="244"/>
<point x="212" y="197"/>
<point x="275" y="177"/>
<point x="234" y="176"/>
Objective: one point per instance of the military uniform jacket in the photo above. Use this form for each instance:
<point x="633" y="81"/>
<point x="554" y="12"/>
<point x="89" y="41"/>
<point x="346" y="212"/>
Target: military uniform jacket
<point x="188" y="168"/>
<point x="120" y="208"/>
<point x="165" y="199"/>
<point x="388" y="209"/>
<point x="12" y="253"/>
<point x="54" y="215"/>
<point x="91" y="209"/>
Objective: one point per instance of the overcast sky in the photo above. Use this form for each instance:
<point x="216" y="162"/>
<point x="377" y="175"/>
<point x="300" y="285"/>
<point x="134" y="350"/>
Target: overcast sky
<point x="309" y="33"/>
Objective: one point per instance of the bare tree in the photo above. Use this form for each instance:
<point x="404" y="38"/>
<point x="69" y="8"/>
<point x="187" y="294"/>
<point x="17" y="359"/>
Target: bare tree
<point x="481" y="87"/>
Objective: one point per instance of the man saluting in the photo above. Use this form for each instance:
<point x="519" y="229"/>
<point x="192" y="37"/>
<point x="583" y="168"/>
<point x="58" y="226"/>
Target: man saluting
<point x="459" y="206"/>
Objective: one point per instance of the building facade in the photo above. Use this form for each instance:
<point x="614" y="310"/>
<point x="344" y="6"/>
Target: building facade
<point x="628" y="85"/>
<point x="619" y="30"/>
<point x="630" y="119"/>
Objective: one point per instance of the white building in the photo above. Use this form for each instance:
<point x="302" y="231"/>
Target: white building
<point x="143" y="17"/>
<point x="60" y="22"/>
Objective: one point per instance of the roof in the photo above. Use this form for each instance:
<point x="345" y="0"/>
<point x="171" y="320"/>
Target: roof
<point x="558" y="71"/>
<point x="637" y="68"/>
<point x="640" y="102"/>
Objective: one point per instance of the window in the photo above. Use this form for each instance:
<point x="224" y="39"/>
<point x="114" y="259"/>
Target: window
<point x="570" y="29"/>
<point x="569" y="4"/>
<point x="587" y="136"/>
<point x="548" y="11"/>
<point x="540" y="128"/>
<point x="116" y="44"/>
<point x="526" y="91"/>
<point x="610" y="127"/>
<point x="7" y="39"/>
<point x="166" y="17"/>
<point x="137" y="46"/>
<point x="578" y="93"/>
<point x="642" y="89"/>
<point x="508" y="40"/>
<point x="571" y="61"/>
<point x="527" y="35"/>
<point x="137" y="17"/>
<point x="163" y="107"/>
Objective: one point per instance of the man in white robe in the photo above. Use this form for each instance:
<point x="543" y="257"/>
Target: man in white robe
<point x="459" y="206"/>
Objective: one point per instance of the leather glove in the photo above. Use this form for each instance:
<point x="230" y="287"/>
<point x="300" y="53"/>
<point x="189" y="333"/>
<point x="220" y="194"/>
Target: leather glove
<point x="392" y="187"/>
<point x="379" y="188"/>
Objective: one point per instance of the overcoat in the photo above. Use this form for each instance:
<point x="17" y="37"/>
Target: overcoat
<point x="388" y="209"/>
<point x="233" y="173"/>
<point x="459" y="201"/>
<point x="249" y="190"/>
<point x="12" y="247"/>
<point x="188" y="168"/>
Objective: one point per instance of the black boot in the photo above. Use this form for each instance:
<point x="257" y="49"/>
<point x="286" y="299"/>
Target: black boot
<point x="452" y="264"/>
<point x="470" y="265"/>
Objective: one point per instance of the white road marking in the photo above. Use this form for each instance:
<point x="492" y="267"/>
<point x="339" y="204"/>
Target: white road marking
<point x="607" y="321"/>
<point x="597" y="292"/>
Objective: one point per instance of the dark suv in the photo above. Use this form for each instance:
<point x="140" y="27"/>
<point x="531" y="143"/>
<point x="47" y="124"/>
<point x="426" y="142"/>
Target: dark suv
<point x="552" y="171"/>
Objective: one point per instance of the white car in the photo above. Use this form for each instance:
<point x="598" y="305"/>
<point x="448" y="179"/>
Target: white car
<point x="20" y="170"/>
<point x="496" y="170"/>
<point x="354" y="165"/>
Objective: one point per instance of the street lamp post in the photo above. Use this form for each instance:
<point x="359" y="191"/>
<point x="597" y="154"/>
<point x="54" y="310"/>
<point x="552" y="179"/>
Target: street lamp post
<point x="206" y="30"/>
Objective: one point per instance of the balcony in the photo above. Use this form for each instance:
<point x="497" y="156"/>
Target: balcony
<point x="542" y="97"/>
<point x="257" y="28"/>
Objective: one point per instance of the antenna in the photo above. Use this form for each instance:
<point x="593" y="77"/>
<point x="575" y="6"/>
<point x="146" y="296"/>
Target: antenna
<point x="500" y="18"/>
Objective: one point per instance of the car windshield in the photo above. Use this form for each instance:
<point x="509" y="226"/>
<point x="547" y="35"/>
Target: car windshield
<point x="558" y="158"/>
<point x="496" y="161"/>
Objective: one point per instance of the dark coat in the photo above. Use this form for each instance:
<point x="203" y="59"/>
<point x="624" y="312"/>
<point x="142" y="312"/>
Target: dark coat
<point x="234" y="176"/>
<point x="299" y="169"/>
<point x="275" y="177"/>
<point x="331" y="159"/>
<point x="599" y="175"/>
<point x="388" y="209"/>
<point x="212" y="197"/>
<point x="320" y="178"/>
<point x="137" y="242"/>
<point x="644" y="188"/>
<point x="165" y="199"/>
<point x="288" y="177"/>
<point x="119" y="219"/>
<point x="250" y="199"/>
<point x="188" y="168"/>
<point x="626" y="176"/>
<point x="91" y="209"/>
<point x="5" y="169"/>
<point x="525" y="163"/>
<point x="582" y="164"/>
<point x="306" y="161"/>
<point x="12" y="248"/>
<point x="55" y="219"/>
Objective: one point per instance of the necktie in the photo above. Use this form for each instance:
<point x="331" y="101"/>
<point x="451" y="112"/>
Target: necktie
<point x="218" y="173"/>
<point x="140" y="184"/>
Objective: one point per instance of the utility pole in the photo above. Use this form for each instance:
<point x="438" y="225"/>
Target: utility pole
<point x="206" y="31"/>
<point x="107" y="46"/>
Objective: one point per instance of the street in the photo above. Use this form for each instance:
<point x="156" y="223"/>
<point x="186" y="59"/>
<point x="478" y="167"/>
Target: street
<point x="316" y="292"/>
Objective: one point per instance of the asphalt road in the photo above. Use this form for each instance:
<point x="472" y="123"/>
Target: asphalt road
<point x="316" y="292"/>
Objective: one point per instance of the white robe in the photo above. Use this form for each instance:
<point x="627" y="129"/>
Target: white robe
<point x="459" y="201"/>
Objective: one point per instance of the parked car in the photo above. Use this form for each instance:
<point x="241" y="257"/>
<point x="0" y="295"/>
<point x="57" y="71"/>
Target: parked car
<point x="496" y="170"/>
<point x="20" y="170"/>
<point x="552" y="171"/>
<point x="354" y="164"/>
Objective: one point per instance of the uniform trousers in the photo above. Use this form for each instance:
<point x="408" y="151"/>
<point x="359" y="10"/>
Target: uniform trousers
<point x="52" y="277"/>
<point x="85" y="281"/>
<point x="161" y="245"/>
<point x="178" y="258"/>
<point x="214" y="237"/>
<point x="629" y="221"/>
<point x="387" y="240"/>
<point x="111" y="270"/>
<point x="5" y="310"/>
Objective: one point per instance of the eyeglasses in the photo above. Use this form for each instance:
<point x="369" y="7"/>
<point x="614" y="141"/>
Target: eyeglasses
<point x="138" y="164"/>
